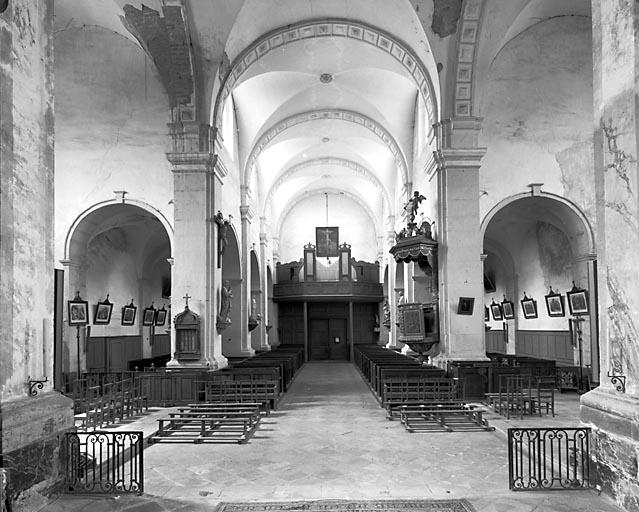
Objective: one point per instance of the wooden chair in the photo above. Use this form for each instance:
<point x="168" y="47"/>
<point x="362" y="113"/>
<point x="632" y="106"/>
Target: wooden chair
<point x="545" y="395"/>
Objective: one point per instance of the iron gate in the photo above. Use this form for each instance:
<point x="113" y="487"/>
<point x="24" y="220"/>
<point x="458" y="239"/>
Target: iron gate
<point x="104" y="462"/>
<point x="548" y="458"/>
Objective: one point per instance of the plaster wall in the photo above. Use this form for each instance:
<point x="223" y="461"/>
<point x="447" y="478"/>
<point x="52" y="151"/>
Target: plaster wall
<point x="537" y="109"/>
<point x="298" y="228"/>
<point x="110" y="125"/>
<point x="26" y="205"/>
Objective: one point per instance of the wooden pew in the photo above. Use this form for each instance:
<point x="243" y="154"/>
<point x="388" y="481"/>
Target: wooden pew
<point x="443" y="417"/>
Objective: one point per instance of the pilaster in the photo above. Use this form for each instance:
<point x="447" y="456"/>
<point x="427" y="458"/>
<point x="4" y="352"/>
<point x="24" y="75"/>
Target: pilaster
<point x="458" y="160"/>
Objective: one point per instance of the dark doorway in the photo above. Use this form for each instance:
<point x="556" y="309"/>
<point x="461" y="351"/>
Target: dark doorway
<point x="327" y="339"/>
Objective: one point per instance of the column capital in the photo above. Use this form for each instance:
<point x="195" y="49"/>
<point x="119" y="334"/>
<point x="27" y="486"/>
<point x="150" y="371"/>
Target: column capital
<point x="246" y="213"/>
<point x="263" y="239"/>
<point x="192" y="162"/>
<point x="461" y="158"/>
<point x="458" y="132"/>
<point x="70" y="263"/>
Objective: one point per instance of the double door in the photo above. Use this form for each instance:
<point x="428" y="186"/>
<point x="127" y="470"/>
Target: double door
<point x="327" y="339"/>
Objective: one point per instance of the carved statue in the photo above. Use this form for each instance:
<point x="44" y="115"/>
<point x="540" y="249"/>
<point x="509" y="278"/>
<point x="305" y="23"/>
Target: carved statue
<point x="222" y="231"/>
<point x="412" y="206"/>
<point x="387" y="313"/>
<point x="225" y="303"/>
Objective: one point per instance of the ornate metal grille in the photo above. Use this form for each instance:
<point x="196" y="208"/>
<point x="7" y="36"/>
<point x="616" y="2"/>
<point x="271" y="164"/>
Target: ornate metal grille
<point x="548" y="458"/>
<point x="104" y="462"/>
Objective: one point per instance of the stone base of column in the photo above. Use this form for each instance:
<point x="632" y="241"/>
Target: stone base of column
<point x="407" y="351"/>
<point x="32" y="429"/>
<point x="243" y="353"/>
<point x="614" y="448"/>
<point x="218" y="362"/>
<point x="176" y="364"/>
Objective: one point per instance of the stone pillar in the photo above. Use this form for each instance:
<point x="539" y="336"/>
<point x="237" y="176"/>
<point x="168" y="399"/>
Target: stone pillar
<point x="193" y="193"/>
<point x="392" y="296"/>
<point x="460" y="246"/>
<point x="246" y="350"/>
<point x="611" y="409"/>
<point x="30" y="425"/>
<point x="74" y="357"/>
<point x="264" y="345"/>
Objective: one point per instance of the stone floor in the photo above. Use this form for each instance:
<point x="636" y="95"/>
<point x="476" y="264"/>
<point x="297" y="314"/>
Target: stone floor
<point x="329" y="439"/>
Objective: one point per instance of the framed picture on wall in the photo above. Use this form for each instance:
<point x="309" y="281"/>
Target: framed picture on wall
<point x="495" y="309"/>
<point x="555" y="304"/>
<point x="466" y="305"/>
<point x="578" y="302"/>
<point x="508" y="310"/>
<point x="148" y="317"/>
<point x="103" y="311"/>
<point x="327" y="242"/>
<point x="160" y="316"/>
<point x="78" y="310"/>
<point x="128" y="314"/>
<point x="486" y="314"/>
<point x="529" y="307"/>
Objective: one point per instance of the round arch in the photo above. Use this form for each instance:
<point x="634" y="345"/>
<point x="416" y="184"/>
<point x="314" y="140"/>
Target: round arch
<point x="306" y="195"/>
<point x="326" y="114"/>
<point x="562" y="204"/>
<point x="342" y="162"/>
<point x="357" y="31"/>
<point x="72" y="234"/>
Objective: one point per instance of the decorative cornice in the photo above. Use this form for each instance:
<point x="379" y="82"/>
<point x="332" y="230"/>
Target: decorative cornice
<point x="246" y="213"/>
<point x="192" y="162"/>
<point x="329" y="27"/>
<point x="467" y="158"/>
<point x="348" y="116"/>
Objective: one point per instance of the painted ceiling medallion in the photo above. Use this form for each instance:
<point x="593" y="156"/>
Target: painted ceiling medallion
<point x="326" y="78"/>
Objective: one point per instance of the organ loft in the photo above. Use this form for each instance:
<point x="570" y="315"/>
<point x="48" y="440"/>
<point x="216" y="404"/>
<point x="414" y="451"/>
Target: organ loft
<point x="362" y="239"/>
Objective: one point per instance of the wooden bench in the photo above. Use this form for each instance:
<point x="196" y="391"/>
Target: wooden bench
<point x="443" y="417"/>
<point x="200" y="425"/>
<point x="261" y="391"/>
<point x="415" y="391"/>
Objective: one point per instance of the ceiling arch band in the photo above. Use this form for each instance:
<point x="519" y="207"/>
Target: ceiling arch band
<point x="335" y="161"/>
<point x="467" y="39"/>
<point x="353" y="30"/>
<point x="348" y="116"/>
<point x="307" y="194"/>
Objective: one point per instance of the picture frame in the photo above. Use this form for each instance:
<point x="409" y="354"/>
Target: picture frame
<point x="555" y="304"/>
<point x="78" y="311"/>
<point x="529" y="307"/>
<point x="496" y="311"/>
<point x="148" y="316"/>
<point x="578" y="302"/>
<point x="486" y="314"/>
<point x="102" y="312"/>
<point x="466" y="305"/>
<point x="508" y="309"/>
<point x="327" y="242"/>
<point x="128" y="314"/>
<point x="160" y="316"/>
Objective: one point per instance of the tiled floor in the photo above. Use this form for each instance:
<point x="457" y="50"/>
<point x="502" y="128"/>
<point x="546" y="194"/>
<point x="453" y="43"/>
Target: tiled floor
<point x="330" y="439"/>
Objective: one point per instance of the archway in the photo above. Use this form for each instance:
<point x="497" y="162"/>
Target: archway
<point x="535" y="244"/>
<point x="232" y="277"/>
<point x="120" y="251"/>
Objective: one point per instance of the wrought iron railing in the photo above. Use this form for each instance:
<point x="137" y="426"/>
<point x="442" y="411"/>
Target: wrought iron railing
<point x="104" y="462"/>
<point x="4" y="499"/>
<point x="548" y="459"/>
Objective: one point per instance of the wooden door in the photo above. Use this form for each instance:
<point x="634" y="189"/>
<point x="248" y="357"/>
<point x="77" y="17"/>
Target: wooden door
<point x="327" y="339"/>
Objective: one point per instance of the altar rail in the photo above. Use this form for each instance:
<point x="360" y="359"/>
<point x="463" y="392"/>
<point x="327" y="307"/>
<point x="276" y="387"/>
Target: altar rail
<point x="104" y="462"/>
<point x="541" y="459"/>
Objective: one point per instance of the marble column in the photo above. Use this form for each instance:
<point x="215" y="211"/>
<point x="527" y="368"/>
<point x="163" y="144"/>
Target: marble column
<point x="193" y="268"/>
<point x="32" y="419"/>
<point x="392" y="298"/>
<point x="611" y="409"/>
<point x="458" y="159"/>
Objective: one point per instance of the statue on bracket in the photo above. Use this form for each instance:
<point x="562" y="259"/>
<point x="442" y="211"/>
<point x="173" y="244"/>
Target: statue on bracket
<point x="412" y="229"/>
<point x="224" y="318"/>
<point x="222" y="235"/>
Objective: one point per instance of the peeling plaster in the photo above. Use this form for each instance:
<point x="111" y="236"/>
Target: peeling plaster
<point x="555" y="253"/>
<point x="445" y="17"/>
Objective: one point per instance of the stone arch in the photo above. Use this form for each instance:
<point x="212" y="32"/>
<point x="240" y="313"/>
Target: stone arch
<point x="343" y="162"/>
<point x="327" y="114"/>
<point x="306" y="195"/>
<point x="356" y="31"/>
<point x="121" y="249"/>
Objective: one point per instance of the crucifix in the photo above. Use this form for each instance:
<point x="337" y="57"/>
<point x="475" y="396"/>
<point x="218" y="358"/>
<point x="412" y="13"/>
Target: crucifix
<point x="187" y="297"/>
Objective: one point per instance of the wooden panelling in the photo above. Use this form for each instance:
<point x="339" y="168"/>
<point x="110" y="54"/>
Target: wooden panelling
<point x="495" y="342"/>
<point x="545" y="345"/>
<point x="161" y="345"/>
<point x="364" y="323"/>
<point x="291" y="323"/>
<point x="112" y="353"/>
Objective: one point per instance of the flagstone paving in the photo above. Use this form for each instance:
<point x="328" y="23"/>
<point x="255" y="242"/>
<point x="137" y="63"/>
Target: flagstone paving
<point x="329" y="439"/>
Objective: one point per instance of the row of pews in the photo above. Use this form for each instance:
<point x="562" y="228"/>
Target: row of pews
<point x="103" y="399"/>
<point x="423" y="397"/>
<point x="233" y="400"/>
